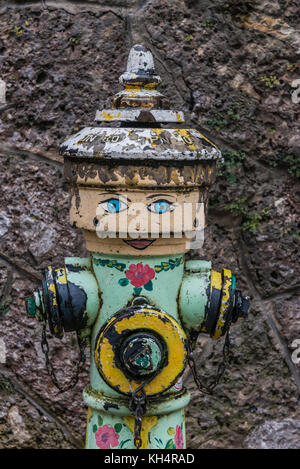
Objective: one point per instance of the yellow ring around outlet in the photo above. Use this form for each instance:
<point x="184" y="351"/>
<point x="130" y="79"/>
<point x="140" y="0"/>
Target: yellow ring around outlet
<point x="215" y="280"/>
<point x="152" y="320"/>
<point x="225" y="303"/>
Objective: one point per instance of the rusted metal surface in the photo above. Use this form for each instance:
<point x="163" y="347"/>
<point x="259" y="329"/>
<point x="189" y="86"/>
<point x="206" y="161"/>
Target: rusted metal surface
<point x="179" y="177"/>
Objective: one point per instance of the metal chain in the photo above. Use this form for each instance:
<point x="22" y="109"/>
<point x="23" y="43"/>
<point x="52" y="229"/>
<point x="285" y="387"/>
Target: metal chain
<point x="138" y="403"/>
<point x="227" y="354"/>
<point x="49" y="366"/>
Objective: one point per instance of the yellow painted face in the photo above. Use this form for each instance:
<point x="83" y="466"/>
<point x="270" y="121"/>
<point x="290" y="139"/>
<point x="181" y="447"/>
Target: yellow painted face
<point x="137" y="220"/>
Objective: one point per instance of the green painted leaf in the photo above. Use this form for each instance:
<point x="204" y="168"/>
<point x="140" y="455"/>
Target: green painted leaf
<point x="149" y="286"/>
<point x="137" y="291"/>
<point x="170" y="445"/>
<point x="100" y="421"/>
<point x="159" y="443"/>
<point x="123" y="282"/>
<point x="95" y="428"/>
<point x="118" y="427"/>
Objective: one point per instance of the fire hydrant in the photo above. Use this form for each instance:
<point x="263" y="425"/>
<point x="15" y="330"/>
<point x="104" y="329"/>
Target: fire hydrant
<point x="140" y="194"/>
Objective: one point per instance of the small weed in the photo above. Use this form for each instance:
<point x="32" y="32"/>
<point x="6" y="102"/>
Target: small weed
<point x="188" y="37"/>
<point x="233" y="115"/>
<point x="291" y="162"/>
<point x="232" y="160"/>
<point x="294" y="233"/>
<point x="17" y="30"/>
<point x="230" y="117"/>
<point x="291" y="67"/>
<point x="252" y="222"/>
<point x="4" y="307"/>
<point x="28" y="121"/>
<point x="270" y="81"/>
<point x="217" y="122"/>
<point x="207" y="24"/>
<point x="5" y="384"/>
<point x="237" y="207"/>
<point x="266" y="211"/>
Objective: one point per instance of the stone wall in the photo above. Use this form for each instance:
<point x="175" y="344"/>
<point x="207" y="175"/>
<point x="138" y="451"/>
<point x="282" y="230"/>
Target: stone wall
<point x="232" y="66"/>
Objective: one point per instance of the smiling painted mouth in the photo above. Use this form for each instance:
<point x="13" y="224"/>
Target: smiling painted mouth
<point x="139" y="243"/>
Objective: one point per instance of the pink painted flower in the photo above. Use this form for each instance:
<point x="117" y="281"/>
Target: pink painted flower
<point x="178" y="438"/>
<point x="106" y="437"/>
<point x="139" y="274"/>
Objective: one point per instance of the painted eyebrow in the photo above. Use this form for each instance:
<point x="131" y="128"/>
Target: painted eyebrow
<point x="116" y="195"/>
<point x="159" y="195"/>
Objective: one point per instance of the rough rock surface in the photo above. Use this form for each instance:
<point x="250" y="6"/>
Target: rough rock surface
<point x="232" y="66"/>
<point x="276" y="435"/>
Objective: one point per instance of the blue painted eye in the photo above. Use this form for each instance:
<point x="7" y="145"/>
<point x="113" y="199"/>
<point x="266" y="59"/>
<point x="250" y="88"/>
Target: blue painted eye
<point x="161" y="206"/>
<point x="113" y="205"/>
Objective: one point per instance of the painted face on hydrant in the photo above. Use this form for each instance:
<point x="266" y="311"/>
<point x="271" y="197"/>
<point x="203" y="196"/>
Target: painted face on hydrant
<point x="149" y="221"/>
<point x="139" y="187"/>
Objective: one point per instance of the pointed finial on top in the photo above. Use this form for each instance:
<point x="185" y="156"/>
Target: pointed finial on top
<point x="140" y="101"/>
<point x="140" y="66"/>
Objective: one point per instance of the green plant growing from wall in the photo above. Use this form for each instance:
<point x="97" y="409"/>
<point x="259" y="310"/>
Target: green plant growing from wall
<point x="207" y="24"/>
<point x="188" y="37"/>
<point x="237" y="207"/>
<point x="291" y="162"/>
<point x="4" y="307"/>
<point x="270" y="81"/>
<point x="250" y="221"/>
<point x="228" y="168"/>
<point x="291" y="67"/>
<point x="231" y="116"/>
<point x="75" y="40"/>
<point x="17" y="30"/>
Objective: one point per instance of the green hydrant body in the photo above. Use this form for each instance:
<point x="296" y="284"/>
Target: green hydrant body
<point x="140" y="193"/>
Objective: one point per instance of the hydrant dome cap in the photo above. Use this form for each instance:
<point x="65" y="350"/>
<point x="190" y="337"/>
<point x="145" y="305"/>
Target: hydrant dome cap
<point x="139" y="144"/>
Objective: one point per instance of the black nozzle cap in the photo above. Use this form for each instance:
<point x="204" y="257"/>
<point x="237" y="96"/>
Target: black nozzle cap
<point x="241" y="306"/>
